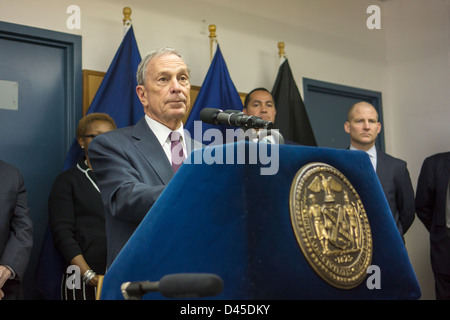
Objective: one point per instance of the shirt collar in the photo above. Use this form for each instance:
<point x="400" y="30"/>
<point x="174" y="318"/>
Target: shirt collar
<point x="372" y="151"/>
<point x="161" y="131"/>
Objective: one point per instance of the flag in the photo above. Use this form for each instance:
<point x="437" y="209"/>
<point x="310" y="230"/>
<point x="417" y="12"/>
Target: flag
<point x="217" y="91"/>
<point x="292" y="119"/>
<point x="117" y="97"/>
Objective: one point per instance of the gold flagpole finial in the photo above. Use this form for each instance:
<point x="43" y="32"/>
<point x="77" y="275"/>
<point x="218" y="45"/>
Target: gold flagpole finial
<point x="212" y="37"/>
<point x="281" y="52"/>
<point x="126" y="16"/>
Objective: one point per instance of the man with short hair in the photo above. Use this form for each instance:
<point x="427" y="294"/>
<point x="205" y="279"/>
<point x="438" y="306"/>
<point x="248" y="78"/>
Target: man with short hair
<point x="259" y="102"/>
<point x="134" y="164"/>
<point x="363" y="126"/>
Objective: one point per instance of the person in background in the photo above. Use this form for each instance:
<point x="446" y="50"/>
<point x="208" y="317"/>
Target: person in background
<point x="363" y="127"/>
<point x="260" y="103"/>
<point x="433" y="209"/>
<point x="77" y="215"/>
<point x="16" y="232"/>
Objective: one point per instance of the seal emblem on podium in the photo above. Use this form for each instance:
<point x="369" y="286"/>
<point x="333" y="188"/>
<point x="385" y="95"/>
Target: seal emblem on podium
<point x="331" y="225"/>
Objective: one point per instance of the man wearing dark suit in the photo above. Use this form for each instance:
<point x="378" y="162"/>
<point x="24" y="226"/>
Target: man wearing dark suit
<point x="433" y="209"/>
<point x="133" y="164"/>
<point x="363" y="126"/>
<point x="16" y="228"/>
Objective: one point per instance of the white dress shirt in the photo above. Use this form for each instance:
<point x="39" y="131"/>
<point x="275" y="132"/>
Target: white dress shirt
<point x="372" y="152"/>
<point x="162" y="134"/>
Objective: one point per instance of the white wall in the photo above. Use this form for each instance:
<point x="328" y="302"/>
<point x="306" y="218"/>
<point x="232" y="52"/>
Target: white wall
<point x="324" y="39"/>
<point x="407" y="60"/>
<point x="418" y="104"/>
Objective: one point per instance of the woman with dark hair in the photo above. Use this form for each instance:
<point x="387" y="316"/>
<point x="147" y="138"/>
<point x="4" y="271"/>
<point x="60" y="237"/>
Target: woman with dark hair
<point x="77" y="217"/>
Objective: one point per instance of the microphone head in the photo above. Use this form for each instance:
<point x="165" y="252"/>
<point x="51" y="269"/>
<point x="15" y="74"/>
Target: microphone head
<point x="209" y="115"/>
<point x="190" y="285"/>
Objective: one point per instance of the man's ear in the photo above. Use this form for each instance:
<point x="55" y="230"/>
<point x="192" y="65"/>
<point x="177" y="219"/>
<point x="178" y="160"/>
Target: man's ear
<point x="244" y="110"/>
<point x="141" y="93"/>
<point x="347" y="127"/>
<point x="379" y="127"/>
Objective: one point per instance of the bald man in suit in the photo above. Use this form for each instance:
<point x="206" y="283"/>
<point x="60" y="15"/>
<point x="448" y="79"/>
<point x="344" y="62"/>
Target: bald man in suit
<point x="16" y="232"/>
<point x="363" y="126"/>
<point x="133" y="164"/>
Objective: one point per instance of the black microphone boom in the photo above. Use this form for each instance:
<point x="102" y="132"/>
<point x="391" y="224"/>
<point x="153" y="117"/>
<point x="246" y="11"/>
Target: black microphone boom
<point x="233" y="118"/>
<point x="180" y="285"/>
<point x="195" y="285"/>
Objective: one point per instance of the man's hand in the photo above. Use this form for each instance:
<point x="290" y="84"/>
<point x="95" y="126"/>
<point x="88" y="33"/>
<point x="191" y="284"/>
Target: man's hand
<point x="5" y="274"/>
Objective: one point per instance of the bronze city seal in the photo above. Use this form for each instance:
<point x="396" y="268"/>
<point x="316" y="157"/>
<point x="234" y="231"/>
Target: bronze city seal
<point x="331" y="225"/>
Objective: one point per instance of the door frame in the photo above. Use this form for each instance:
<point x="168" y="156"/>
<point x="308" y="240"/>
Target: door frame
<point x="71" y="44"/>
<point x="373" y="97"/>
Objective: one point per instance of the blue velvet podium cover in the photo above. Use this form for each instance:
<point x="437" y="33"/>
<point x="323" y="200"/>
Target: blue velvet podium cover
<point x="230" y="220"/>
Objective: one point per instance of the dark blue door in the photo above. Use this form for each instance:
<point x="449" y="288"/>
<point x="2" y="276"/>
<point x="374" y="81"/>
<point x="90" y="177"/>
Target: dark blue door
<point x="327" y="105"/>
<point x="37" y="132"/>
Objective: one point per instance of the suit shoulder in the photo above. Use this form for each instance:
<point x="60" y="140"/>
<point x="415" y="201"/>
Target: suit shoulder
<point x="436" y="160"/>
<point x="67" y="174"/>
<point x="438" y="156"/>
<point x="119" y="131"/>
<point x="10" y="175"/>
<point x="7" y="168"/>
<point x="393" y="159"/>
<point x="117" y="135"/>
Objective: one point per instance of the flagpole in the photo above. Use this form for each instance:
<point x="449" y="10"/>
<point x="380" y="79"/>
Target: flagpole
<point x="212" y="38"/>
<point x="126" y="19"/>
<point x="281" y="52"/>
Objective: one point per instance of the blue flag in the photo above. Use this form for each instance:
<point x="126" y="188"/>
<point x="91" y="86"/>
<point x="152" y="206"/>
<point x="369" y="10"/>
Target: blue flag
<point x="117" y="97"/>
<point x="217" y="91"/>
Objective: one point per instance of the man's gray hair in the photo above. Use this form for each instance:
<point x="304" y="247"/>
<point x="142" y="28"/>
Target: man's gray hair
<point x="142" y="68"/>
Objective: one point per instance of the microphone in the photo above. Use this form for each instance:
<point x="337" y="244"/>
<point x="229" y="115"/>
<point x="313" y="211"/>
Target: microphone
<point x="271" y="136"/>
<point x="265" y="134"/>
<point x="254" y="121"/>
<point x="233" y="118"/>
<point x="179" y="285"/>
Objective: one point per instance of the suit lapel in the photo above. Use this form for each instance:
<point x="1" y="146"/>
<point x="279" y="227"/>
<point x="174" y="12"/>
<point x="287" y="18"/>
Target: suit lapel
<point x="447" y="161"/>
<point x="381" y="157"/>
<point x="148" y="145"/>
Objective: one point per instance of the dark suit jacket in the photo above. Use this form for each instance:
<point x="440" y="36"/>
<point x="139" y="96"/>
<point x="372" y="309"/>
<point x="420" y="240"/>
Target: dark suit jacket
<point x="132" y="170"/>
<point x="16" y="228"/>
<point x="396" y="183"/>
<point x="431" y="196"/>
<point x="77" y="217"/>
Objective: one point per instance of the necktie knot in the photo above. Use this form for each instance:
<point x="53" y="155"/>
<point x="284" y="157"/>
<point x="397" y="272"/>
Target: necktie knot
<point x="175" y="136"/>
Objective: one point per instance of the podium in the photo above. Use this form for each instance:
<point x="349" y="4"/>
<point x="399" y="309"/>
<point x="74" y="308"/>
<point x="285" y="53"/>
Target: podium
<point x="230" y="220"/>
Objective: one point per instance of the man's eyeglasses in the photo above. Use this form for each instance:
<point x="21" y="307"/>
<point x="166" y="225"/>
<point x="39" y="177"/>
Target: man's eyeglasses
<point x="92" y="136"/>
